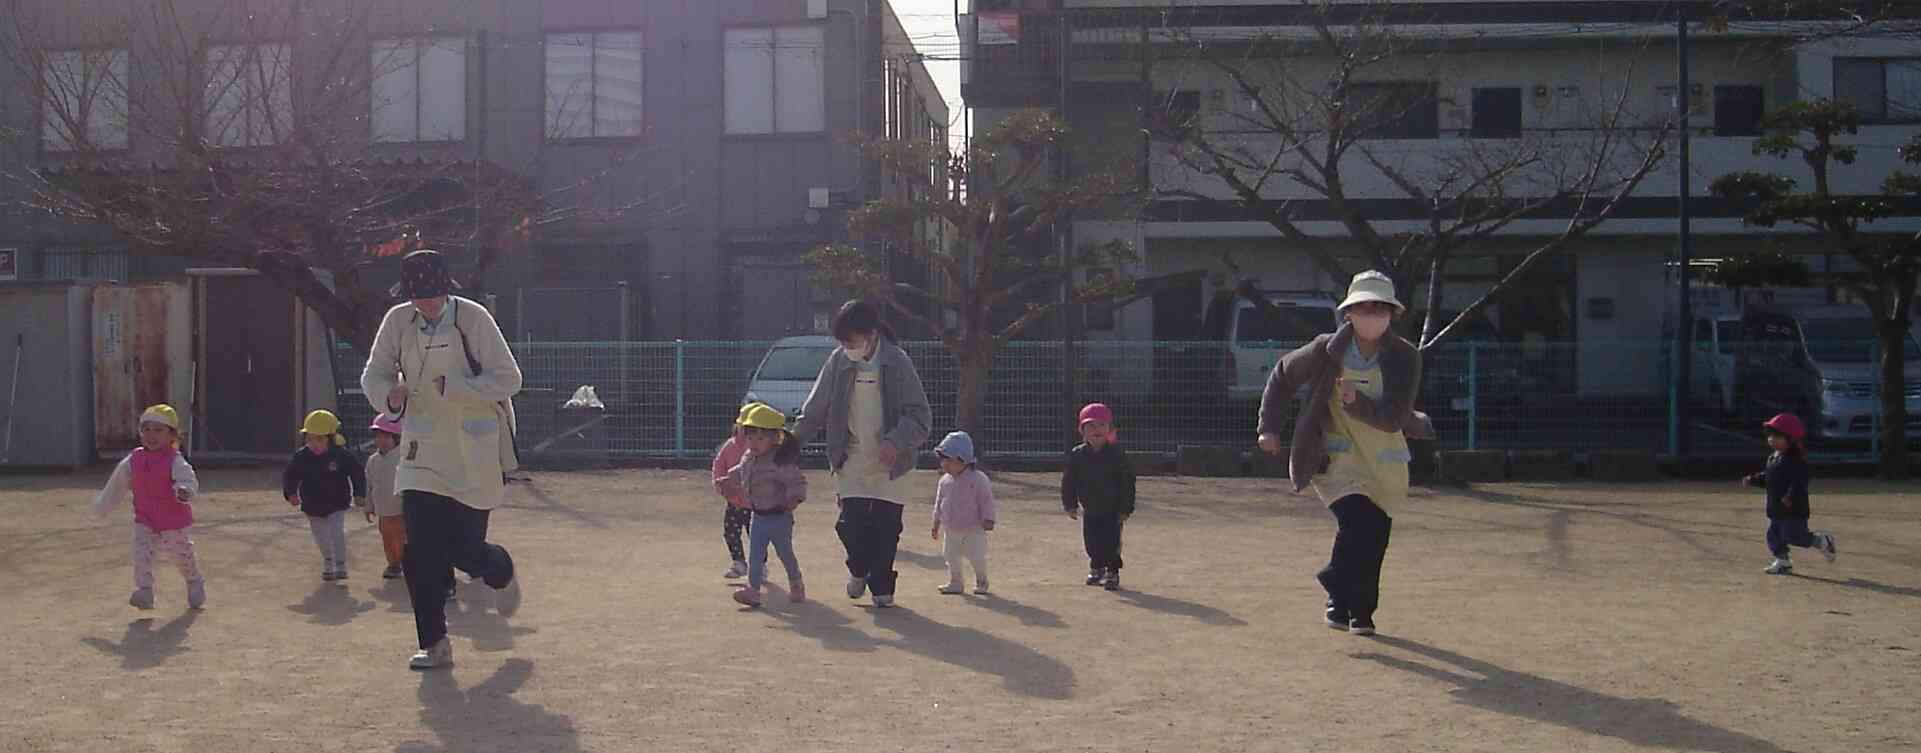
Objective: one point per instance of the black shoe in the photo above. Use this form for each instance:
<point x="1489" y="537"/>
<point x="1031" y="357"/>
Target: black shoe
<point x="1361" y="626"/>
<point x="1095" y="576"/>
<point x="1337" y="616"/>
<point x="392" y="572"/>
<point x="1113" y="582"/>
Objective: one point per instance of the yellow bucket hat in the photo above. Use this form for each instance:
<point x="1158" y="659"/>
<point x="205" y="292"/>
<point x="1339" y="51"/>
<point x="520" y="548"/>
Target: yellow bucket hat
<point x="746" y="410"/>
<point x="324" y="423"/>
<point x="762" y="416"/>
<point x="164" y="415"/>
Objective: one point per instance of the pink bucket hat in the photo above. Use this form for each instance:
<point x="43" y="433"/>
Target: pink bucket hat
<point x="1097" y="412"/>
<point x="386" y="423"/>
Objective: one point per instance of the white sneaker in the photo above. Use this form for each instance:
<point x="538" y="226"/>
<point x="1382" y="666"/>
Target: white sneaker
<point x="507" y="600"/>
<point x="883" y="602"/>
<point x="441" y="655"/>
<point x="1780" y="566"/>
<point x="856" y="587"/>
<point x="953" y="589"/>
<point x="736" y="571"/>
<point x="141" y="599"/>
<point x="1827" y="545"/>
<point x="197" y="593"/>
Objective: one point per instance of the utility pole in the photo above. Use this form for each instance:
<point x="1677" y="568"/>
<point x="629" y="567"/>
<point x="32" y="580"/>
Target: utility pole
<point x="1684" y="340"/>
<point x="1064" y="234"/>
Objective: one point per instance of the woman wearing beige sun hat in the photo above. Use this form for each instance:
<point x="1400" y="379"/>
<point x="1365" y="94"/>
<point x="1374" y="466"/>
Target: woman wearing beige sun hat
<point x="1350" y="439"/>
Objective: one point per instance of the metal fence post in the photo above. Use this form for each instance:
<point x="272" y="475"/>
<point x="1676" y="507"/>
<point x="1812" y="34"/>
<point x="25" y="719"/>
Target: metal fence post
<point x="1473" y="395"/>
<point x="680" y="399"/>
<point x="1874" y="401"/>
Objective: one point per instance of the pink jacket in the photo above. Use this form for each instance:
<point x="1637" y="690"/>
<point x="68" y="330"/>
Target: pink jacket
<point x="725" y="459"/>
<point x="964" y="502"/>
<point x="153" y="480"/>
<point x="769" y="486"/>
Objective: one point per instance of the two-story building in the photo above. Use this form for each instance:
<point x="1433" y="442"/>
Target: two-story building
<point x="1475" y="76"/>
<point x="709" y="145"/>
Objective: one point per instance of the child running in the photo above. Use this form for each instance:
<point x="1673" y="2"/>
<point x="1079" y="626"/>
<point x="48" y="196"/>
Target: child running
<point x="318" y="480"/>
<point x="1786" y="480"/>
<point x="736" y="515"/>
<point x="964" y="510"/>
<point x="163" y="486"/>
<point x="768" y="476"/>
<point x="1098" y="488"/>
<point x="382" y="503"/>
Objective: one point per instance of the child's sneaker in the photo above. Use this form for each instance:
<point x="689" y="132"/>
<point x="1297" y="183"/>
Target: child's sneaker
<point x="392" y="572"/>
<point x="340" y="575"/>
<point x="1361" y="626"/>
<point x="884" y="601"/>
<point x="1113" y="582"/>
<point x="440" y="655"/>
<point x="856" y="587"/>
<point x="797" y="593"/>
<point x="749" y="597"/>
<point x="141" y="599"/>
<point x="952" y="589"/>
<point x="1827" y="545"/>
<point x="197" y="593"/>
<point x="327" y="575"/>
<point x="1095" y="576"/>
<point x="1780" y="566"/>
<point x="736" y="571"/>
<point x="980" y="587"/>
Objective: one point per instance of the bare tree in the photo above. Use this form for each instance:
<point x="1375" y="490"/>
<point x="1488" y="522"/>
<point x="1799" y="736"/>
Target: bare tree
<point x="243" y="139"/>
<point x="986" y="235"/>
<point x="1323" y="102"/>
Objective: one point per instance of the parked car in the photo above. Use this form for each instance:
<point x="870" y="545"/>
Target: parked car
<point x="786" y="374"/>
<point x="1818" y="362"/>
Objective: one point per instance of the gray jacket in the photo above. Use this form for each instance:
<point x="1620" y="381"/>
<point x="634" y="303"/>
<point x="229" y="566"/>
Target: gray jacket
<point x="904" y="406"/>
<point x="1317" y="365"/>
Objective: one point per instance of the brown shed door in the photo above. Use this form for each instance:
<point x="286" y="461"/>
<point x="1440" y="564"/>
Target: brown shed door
<point x="130" y="360"/>
<point x="250" y="361"/>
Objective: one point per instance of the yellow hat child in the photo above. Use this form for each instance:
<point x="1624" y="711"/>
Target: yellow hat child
<point x="324" y="423"/>
<point x="164" y="415"/>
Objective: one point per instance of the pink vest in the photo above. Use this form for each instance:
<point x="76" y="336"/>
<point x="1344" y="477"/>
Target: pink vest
<point x="154" y="505"/>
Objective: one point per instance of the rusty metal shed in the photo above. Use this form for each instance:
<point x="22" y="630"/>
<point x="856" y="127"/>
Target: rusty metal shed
<point x="46" y="381"/>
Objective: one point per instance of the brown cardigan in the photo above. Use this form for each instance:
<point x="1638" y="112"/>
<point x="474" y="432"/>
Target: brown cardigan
<point x="1318" y="364"/>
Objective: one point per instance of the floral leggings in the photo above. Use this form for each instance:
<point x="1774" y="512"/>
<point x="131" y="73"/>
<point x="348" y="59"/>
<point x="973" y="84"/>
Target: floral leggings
<point x="177" y="543"/>
<point x="737" y="520"/>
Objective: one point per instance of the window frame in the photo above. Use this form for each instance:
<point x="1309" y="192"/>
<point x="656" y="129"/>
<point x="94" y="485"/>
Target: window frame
<point x="418" y="43"/>
<point x="1398" y="128"/>
<point x="774" y="88"/>
<point x="1478" y="131"/>
<point x="41" y="124"/>
<point x="1881" y="116"/>
<point x="211" y="108"/>
<point x="547" y="131"/>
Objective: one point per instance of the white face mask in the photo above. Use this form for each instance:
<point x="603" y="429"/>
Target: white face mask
<point x="1370" y="326"/>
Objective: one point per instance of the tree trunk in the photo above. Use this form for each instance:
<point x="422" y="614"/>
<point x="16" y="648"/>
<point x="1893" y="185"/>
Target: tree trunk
<point x="975" y="363"/>
<point x="1894" y="407"/>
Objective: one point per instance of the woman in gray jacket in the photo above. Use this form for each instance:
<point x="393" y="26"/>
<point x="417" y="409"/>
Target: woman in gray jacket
<point x="869" y="399"/>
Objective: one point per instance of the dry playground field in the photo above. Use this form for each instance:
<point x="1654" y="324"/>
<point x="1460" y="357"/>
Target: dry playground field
<point x="1515" y="618"/>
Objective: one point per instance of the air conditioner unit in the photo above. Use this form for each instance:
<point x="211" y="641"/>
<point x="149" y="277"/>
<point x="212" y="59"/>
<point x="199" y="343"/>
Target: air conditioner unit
<point x="819" y="197"/>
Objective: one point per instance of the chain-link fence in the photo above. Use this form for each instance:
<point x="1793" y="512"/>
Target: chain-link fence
<point x="677" y="399"/>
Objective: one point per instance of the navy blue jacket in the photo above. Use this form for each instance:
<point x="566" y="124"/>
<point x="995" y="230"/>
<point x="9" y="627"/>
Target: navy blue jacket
<point x="1786" y="480"/>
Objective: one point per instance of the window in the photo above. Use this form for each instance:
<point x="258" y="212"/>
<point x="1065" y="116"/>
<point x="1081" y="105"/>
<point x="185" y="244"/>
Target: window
<point x="1395" y="110"/>
<point x="1738" y="110"/>
<point x="420" y="90"/>
<point x="84" y="105"/>
<point x="83" y="264"/>
<point x="594" y="85"/>
<point x="775" y="80"/>
<point x="249" y="94"/>
<point x="1497" y="113"/>
<point x="1884" y="90"/>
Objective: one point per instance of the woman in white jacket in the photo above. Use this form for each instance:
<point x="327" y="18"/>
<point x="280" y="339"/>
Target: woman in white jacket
<point x="440" y="363"/>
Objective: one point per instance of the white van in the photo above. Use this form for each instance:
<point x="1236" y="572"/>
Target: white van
<point x="786" y="374"/>
<point x="1258" y="335"/>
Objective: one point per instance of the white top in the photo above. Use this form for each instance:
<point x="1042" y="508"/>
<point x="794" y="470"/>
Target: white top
<point x="451" y="443"/>
<point x="381" y="495"/>
<point x="864" y="475"/>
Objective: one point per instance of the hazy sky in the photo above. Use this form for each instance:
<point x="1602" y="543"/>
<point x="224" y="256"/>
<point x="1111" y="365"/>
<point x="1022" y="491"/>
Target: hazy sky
<point x="931" y="24"/>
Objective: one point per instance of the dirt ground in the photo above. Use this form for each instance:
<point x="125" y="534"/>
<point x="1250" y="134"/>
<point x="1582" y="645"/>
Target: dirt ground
<point x="1515" y="618"/>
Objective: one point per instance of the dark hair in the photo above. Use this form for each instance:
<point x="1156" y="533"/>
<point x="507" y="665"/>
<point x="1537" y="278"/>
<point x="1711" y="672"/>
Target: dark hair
<point x="788" y="451"/>
<point x="1795" y="447"/>
<point x="860" y="316"/>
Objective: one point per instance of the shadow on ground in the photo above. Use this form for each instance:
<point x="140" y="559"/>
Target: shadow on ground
<point x="487" y="716"/>
<point x="1645" y="722"/>
<point x="143" y="647"/>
